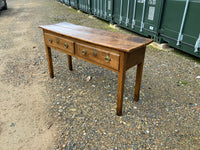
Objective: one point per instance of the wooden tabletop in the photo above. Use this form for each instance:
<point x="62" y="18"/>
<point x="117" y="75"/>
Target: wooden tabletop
<point x="119" y="41"/>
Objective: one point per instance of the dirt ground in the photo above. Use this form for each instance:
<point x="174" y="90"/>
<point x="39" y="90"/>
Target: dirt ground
<point x="40" y="113"/>
<point x="23" y="117"/>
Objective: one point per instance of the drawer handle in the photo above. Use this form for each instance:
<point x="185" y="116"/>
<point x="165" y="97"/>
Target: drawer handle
<point x="50" y="40"/>
<point x="95" y="52"/>
<point x="107" y="59"/>
<point x="84" y="52"/>
<point x="57" y="40"/>
<point x="66" y="45"/>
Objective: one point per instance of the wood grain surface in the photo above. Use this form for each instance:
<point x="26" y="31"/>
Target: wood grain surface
<point x="122" y="42"/>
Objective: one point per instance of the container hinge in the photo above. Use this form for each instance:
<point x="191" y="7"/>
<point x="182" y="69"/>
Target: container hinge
<point x="143" y="12"/>
<point x="127" y="15"/>
<point x="120" y="20"/>
<point x="197" y="45"/>
<point x="134" y="9"/>
<point x="180" y="36"/>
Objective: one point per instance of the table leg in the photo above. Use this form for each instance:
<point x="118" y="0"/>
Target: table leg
<point x="120" y="92"/>
<point x="138" y="81"/>
<point x="49" y="59"/>
<point x="69" y="62"/>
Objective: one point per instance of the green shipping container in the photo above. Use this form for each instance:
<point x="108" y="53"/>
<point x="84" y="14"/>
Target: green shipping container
<point x="74" y="3"/>
<point x="140" y="16"/>
<point x="85" y="6"/>
<point x="173" y="21"/>
<point x="102" y="9"/>
<point x="180" y="25"/>
<point x="67" y="2"/>
<point x="60" y="1"/>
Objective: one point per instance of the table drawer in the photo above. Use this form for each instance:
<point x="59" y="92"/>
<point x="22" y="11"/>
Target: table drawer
<point x="59" y="42"/>
<point x="99" y="56"/>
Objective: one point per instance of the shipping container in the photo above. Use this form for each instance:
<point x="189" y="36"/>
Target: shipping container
<point x="173" y="21"/>
<point x="85" y="6"/>
<point x="103" y="9"/>
<point x="67" y="2"/>
<point x="60" y="1"/>
<point x="74" y="3"/>
<point x="180" y="25"/>
<point x="140" y="16"/>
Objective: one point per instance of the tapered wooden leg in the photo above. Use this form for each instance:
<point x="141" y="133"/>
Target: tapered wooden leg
<point x="138" y="81"/>
<point x="49" y="59"/>
<point x="120" y="92"/>
<point x="69" y="62"/>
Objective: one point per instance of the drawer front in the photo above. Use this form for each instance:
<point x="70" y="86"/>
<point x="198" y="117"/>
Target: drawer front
<point x="98" y="56"/>
<point x="59" y="42"/>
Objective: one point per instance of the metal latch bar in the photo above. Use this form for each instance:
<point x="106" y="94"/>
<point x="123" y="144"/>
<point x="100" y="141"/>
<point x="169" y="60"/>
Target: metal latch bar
<point x="127" y="15"/>
<point x="101" y="11"/>
<point x="134" y="9"/>
<point x="120" y="20"/>
<point x="197" y="45"/>
<point x="105" y="9"/>
<point x="94" y="7"/>
<point x="142" y="21"/>
<point x="180" y="36"/>
<point x="98" y="7"/>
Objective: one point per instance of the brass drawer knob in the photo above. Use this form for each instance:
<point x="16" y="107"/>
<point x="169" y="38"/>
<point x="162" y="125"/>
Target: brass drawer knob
<point x="84" y="52"/>
<point x="95" y="52"/>
<point x="57" y="40"/>
<point x="66" y="45"/>
<point x="50" y="40"/>
<point x="107" y="59"/>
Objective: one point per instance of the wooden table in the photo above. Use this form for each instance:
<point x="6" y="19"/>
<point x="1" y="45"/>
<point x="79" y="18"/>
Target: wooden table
<point x="114" y="51"/>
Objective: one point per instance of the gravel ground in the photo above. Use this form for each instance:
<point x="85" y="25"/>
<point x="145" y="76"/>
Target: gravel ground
<point x="167" y="116"/>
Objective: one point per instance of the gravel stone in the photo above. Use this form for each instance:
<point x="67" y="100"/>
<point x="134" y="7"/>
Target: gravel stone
<point x="165" y="117"/>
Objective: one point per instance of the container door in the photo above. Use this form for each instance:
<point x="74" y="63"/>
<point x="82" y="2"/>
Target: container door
<point x="85" y="5"/>
<point x="74" y="3"/>
<point x="102" y="9"/>
<point x="128" y="13"/>
<point x="141" y="16"/>
<point x="181" y="25"/>
<point x="60" y="1"/>
<point x="152" y="17"/>
<point x="66" y="2"/>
